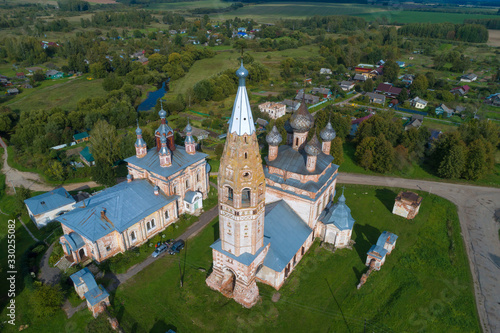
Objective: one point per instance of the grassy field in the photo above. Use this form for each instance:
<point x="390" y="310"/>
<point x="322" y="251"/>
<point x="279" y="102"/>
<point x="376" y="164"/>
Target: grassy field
<point x="424" y="285"/>
<point x="64" y="93"/>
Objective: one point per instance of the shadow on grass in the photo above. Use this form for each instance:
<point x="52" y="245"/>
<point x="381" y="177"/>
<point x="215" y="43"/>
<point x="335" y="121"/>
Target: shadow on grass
<point x="386" y="196"/>
<point x="162" y="327"/>
<point x="366" y="236"/>
<point x="216" y="231"/>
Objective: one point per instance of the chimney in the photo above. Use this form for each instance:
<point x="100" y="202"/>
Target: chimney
<point x="103" y="213"/>
<point x="129" y="178"/>
<point x="157" y="190"/>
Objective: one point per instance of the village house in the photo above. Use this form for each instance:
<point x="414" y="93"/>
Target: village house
<point x="162" y="183"/>
<point x="407" y="204"/>
<point x="376" y="255"/>
<point x="393" y="103"/>
<point x="269" y="215"/>
<point x="86" y="287"/>
<point x="291" y="105"/>
<point x="376" y="98"/>
<point x="360" y="77"/>
<point x="275" y="110"/>
<point x="356" y="122"/>
<point x="325" y="92"/>
<point x="462" y="91"/>
<point x="347" y="85"/>
<point x="415" y="122"/>
<point x="493" y="100"/>
<point x="12" y="91"/>
<point x="81" y="137"/>
<point x="20" y="75"/>
<point x="53" y="74"/>
<point x="443" y="109"/>
<point x="87" y="157"/>
<point x="306" y="98"/>
<point x="401" y="64"/>
<point x="324" y="71"/>
<point x="364" y="68"/>
<point x="388" y="90"/>
<point x="418" y="103"/>
<point x="468" y="77"/>
<point x="44" y="208"/>
<point x="308" y="81"/>
<point x="262" y="123"/>
<point x="408" y="79"/>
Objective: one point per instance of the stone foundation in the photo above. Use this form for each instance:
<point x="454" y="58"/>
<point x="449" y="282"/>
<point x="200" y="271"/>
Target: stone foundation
<point x="246" y="295"/>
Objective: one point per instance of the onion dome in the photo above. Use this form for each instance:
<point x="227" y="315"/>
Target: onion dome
<point x="188" y="128"/>
<point x="302" y="121"/>
<point x="162" y="113"/>
<point x="274" y="138"/>
<point x="138" y="130"/>
<point x="288" y="127"/>
<point x="312" y="147"/>
<point x="164" y="150"/>
<point x="189" y="136"/>
<point x="328" y="133"/>
<point x="241" y="72"/>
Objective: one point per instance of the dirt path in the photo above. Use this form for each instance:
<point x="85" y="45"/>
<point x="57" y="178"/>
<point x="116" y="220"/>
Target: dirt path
<point x="476" y="208"/>
<point x="31" y="180"/>
<point x="48" y="274"/>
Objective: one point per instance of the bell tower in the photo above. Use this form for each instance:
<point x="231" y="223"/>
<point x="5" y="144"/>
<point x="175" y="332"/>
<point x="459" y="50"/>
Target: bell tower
<point x="241" y="186"/>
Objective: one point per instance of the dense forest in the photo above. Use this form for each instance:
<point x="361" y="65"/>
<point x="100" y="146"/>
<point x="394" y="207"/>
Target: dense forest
<point x="488" y="23"/>
<point x="473" y="33"/>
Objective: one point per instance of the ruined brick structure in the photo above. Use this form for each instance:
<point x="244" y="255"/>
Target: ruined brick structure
<point x="407" y="204"/>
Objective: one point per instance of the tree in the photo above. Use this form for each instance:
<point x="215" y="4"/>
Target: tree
<point x="104" y="143"/>
<point x="103" y="174"/>
<point x="46" y="300"/>
<point x="56" y="171"/>
<point x="22" y="194"/>
<point x="112" y="82"/>
<point x="364" y="152"/>
<point x="403" y="95"/>
<point x="453" y="162"/>
<point x="383" y="158"/>
<point x="476" y="160"/>
<point x="391" y="71"/>
<point x="98" y="70"/>
<point x="337" y="151"/>
<point x="420" y="84"/>
<point x="368" y="85"/>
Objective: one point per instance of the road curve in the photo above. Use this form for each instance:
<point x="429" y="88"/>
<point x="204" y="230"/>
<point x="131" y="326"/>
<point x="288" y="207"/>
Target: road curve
<point x="476" y="208"/>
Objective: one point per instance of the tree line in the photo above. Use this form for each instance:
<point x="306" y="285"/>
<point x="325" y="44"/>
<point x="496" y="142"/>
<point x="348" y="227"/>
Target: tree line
<point x="473" y="33"/>
<point x="488" y="23"/>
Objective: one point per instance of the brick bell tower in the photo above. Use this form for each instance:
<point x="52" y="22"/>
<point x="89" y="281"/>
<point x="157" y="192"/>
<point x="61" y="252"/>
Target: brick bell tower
<point x="241" y="185"/>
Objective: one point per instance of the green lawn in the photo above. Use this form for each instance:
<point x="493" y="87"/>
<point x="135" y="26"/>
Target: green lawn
<point x="64" y="93"/>
<point x="424" y="285"/>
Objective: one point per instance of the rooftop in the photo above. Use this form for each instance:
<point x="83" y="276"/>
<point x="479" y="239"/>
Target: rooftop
<point x="49" y="201"/>
<point x="116" y="208"/>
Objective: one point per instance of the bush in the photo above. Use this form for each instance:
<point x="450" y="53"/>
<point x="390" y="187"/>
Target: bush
<point x="56" y="254"/>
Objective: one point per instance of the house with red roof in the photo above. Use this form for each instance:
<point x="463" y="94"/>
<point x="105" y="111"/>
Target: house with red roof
<point x="462" y="91"/>
<point x="388" y="90"/>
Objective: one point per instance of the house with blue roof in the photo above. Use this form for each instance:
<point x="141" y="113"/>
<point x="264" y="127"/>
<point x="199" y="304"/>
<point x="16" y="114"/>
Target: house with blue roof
<point x="44" y="208"/>
<point x="376" y="255"/>
<point x="86" y="287"/>
<point x="337" y="224"/>
<point x="163" y="182"/>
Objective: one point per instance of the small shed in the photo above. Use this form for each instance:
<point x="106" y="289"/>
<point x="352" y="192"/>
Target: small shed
<point x="375" y="257"/>
<point x="87" y="288"/>
<point x="81" y="137"/>
<point x="87" y="156"/>
<point x="407" y="204"/>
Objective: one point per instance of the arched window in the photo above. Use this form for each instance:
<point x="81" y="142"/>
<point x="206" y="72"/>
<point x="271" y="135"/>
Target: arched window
<point x="198" y="177"/>
<point x="245" y="197"/>
<point x="246" y="155"/>
<point x="133" y="236"/>
<point x="187" y="183"/>
<point x="148" y="226"/>
<point x="153" y="223"/>
<point x="167" y="215"/>
<point x="175" y="189"/>
<point x="297" y="141"/>
<point x="229" y="193"/>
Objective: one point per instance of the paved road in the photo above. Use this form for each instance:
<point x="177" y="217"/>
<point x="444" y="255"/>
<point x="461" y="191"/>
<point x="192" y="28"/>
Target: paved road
<point x="33" y="180"/>
<point x="49" y="274"/>
<point x="476" y="209"/>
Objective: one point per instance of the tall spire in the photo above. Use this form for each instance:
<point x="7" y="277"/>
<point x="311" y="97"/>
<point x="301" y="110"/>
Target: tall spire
<point x="241" y="122"/>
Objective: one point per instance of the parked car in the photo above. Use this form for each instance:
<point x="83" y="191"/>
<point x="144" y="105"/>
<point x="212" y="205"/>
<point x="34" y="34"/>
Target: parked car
<point x="176" y="247"/>
<point x="159" y="250"/>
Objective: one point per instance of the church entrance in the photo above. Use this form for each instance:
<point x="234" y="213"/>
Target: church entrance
<point x="81" y="253"/>
<point x="228" y="283"/>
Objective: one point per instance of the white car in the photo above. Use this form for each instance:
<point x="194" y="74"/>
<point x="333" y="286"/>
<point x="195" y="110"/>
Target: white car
<point x="159" y="250"/>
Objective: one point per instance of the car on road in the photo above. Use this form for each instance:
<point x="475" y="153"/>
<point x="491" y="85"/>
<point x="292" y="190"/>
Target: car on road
<point x="159" y="250"/>
<point x="176" y="247"/>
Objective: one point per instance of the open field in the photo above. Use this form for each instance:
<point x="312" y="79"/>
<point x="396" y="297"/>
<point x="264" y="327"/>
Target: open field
<point x="494" y="38"/>
<point x="321" y="293"/>
<point x="64" y="93"/>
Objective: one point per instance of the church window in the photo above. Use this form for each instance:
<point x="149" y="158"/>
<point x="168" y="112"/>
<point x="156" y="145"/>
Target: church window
<point x="108" y="248"/>
<point x="133" y="236"/>
<point x="297" y="141"/>
<point x="245" y="197"/>
<point x="229" y="193"/>
<point x="175" y="189"/>
<point x="245" y="139"/>
<point x="246" y="155"/>
<point x="246" y="175"/>
<point x="167" y="216"/>
<point x="295" y="260"/>
<point x="302" y="251"/>
<point x="198" y="177"/>
<point x="187" y="183"/>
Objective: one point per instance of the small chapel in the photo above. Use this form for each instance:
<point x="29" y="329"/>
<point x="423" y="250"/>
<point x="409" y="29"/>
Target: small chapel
<point x="163" y="182"/>
<point x="270" y="214"/>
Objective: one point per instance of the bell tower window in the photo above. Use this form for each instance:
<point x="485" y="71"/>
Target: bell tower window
<point x="229" y="193"/>
<point x="245" y="198"/>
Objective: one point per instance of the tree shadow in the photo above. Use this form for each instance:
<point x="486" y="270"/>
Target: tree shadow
<point x="216" y="231"/>
<point x="386" y="196"/>
<point x="162" y="327"/>
<point x="366" y="236"/>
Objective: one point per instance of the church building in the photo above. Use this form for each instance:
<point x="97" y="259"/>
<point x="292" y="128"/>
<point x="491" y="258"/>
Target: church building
<point x="162" y="183"/>
<point x="269" y="215"/>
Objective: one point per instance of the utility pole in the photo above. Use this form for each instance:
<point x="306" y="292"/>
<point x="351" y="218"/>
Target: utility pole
<point x="180" y="271"/>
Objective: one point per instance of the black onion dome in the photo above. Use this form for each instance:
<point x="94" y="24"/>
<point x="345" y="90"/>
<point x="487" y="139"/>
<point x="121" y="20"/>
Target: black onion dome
<point x="288" y="127"/>
<point x="312" y="147"/>
<point x="274" y="138"/>
<point x="302" y="120"/>
<point x="328" y="133"/>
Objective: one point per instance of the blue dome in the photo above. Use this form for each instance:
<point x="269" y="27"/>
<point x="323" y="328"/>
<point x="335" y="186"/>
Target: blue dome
<point x="162" y="113"/>
<point x="188" y="128"/>
<point x="138" y="131"/>
<point x="242" y="72"/>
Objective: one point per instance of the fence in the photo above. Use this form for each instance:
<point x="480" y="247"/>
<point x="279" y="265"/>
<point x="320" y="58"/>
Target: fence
<point x="410" y="111"/>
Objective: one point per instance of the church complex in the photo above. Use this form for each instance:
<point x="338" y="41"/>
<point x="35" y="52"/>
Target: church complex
<point x="270" y="215"/>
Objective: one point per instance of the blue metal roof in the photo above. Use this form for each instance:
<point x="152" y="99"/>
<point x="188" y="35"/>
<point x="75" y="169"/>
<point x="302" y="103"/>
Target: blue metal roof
<point x="124" y="205"/>
<point x="49" y="201"/>
<point x="339" y="215"/>
<point x="377" y="252"/>
<point x="74" y="240"/>
<point x="294" y="161"/>
<point x="190" y="195"/>
<point x="386" y="237"/>
<point x="180" y="160"/>
<point x="286" y="231"/>
<point x="84" y="276"/>
<point x="96" y="295"/>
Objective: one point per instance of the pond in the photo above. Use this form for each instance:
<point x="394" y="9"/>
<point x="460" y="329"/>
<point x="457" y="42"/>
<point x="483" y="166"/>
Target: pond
<point x="153" y="96"/>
